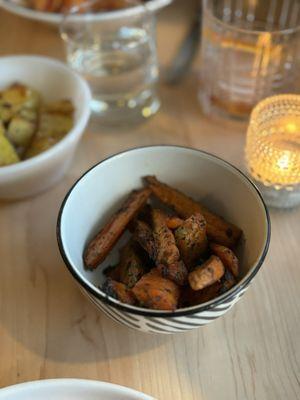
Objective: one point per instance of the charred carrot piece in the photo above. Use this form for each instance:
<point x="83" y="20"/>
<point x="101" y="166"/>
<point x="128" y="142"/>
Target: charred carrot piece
<point x="206" y="274"/>
<point x="131" y="267"/>
<point x="145" y="214"/>
<point x="176" y="272"/>
<point x="227" y="256"/>
<point x="144" y="236"/>
<point x="112" y="272"/>
<point x="190" y="297"/>
<point x="154" y="291"/>
<point x="173" y="222"/>
<point x="101" y="245"/>
<point x="191" y="239"/>
<point x="118" y="291"/>
<point x="227" y="282"/>
<point x="218" y="230"/>
<point x="167" y="252"/>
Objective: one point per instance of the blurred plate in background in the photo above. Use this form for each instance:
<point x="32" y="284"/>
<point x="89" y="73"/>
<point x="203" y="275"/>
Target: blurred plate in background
<point x="21" y="8"/>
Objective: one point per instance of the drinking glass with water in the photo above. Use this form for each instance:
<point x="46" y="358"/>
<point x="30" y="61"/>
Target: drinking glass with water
<point x="250" y="50"/>
<point x="115" y="51"/>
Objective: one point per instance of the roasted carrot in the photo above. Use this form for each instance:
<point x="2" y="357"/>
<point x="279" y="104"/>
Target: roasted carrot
<point x="131" y="267"/>
<point x="167" y="252"/>
<point x="118" y="290"/>
<point x="154" y="291"/>
<point x="145" y="214"/>
<point x="176" y="272"/>
<point x="206" y="274"/>
<point x="218" y="230"/>
<point x="191" y="239"/>
<point x="144" y="236"/>
<point x="173" y="222"/>
<point x="227" y="281"/>
<point x="101" y="245"/>
<point x="190" y="297"/>
<point x="227" y="256"/>
<point x="112" y="272"/>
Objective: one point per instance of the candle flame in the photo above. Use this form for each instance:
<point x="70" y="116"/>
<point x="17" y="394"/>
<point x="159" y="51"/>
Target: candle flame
<point x="284" y="161"/>
<point x="291" y="127"/>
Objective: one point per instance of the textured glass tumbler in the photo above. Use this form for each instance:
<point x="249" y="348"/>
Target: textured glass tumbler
<point x="273" y="149"/>
<point x="250" y="50"/>
<point x="115" y="51"/>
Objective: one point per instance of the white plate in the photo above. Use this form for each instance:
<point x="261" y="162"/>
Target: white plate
<point x="18" y="7"/>
<point x="70" y="389"/>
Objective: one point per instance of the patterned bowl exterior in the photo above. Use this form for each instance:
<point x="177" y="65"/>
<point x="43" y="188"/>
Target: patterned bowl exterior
<point x="165" y="325"/>
<point x="154" y="321"/>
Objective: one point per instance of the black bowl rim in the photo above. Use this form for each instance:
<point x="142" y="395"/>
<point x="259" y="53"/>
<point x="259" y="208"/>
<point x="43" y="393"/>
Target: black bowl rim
<point x="227" y="296"/>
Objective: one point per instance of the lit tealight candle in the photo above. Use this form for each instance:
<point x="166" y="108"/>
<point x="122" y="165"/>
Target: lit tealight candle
<point x="273" y="149"/>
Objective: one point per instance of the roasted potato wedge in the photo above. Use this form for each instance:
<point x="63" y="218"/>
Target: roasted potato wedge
<point x="19" y="96"/>
<point x="39" y="145"/>
<point x="97" y="250"/>
<point x="64" y="107"/>
<point x="227" y="256"/>
<point x="48" y="5"/>
<point x="32" y="127"/>
<point x="206" y="274"/>
<point x="110" y="5"/>
<point x="6" y="112"/>
<point x="2" y="129"/>
<point x="191" y="239"/>
<point x="29" y="114"/>
<point x="218" y="230"/>
<point x="118" y="291"/>
<point x="154" y="291"/>
<point x="20" y="131"/>
<point x="54" y="125"/>
<point x="8" y="154"/>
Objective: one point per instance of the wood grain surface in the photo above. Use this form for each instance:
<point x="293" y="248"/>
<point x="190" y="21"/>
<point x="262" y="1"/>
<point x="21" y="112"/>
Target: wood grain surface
<point x="49" y="330"/>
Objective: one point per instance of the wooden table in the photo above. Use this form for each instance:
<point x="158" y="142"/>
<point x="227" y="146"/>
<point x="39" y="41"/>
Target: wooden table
<point x="49" y="330"/>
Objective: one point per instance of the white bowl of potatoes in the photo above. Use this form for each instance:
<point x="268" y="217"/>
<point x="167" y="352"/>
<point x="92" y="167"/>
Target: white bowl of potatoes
<point x="44" y="109"/>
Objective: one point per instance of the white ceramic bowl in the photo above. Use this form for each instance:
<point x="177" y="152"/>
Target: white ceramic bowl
<point x="54" y="80"/>
<point x="219" y="185"/>
<point x="19" y="7"/>
<point x="70" y="389"/>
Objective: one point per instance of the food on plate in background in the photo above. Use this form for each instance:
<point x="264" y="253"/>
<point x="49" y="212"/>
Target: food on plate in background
<point x="174" y="258"/>
<point x="27" y="125"/>
<point x="57" y="6"/>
